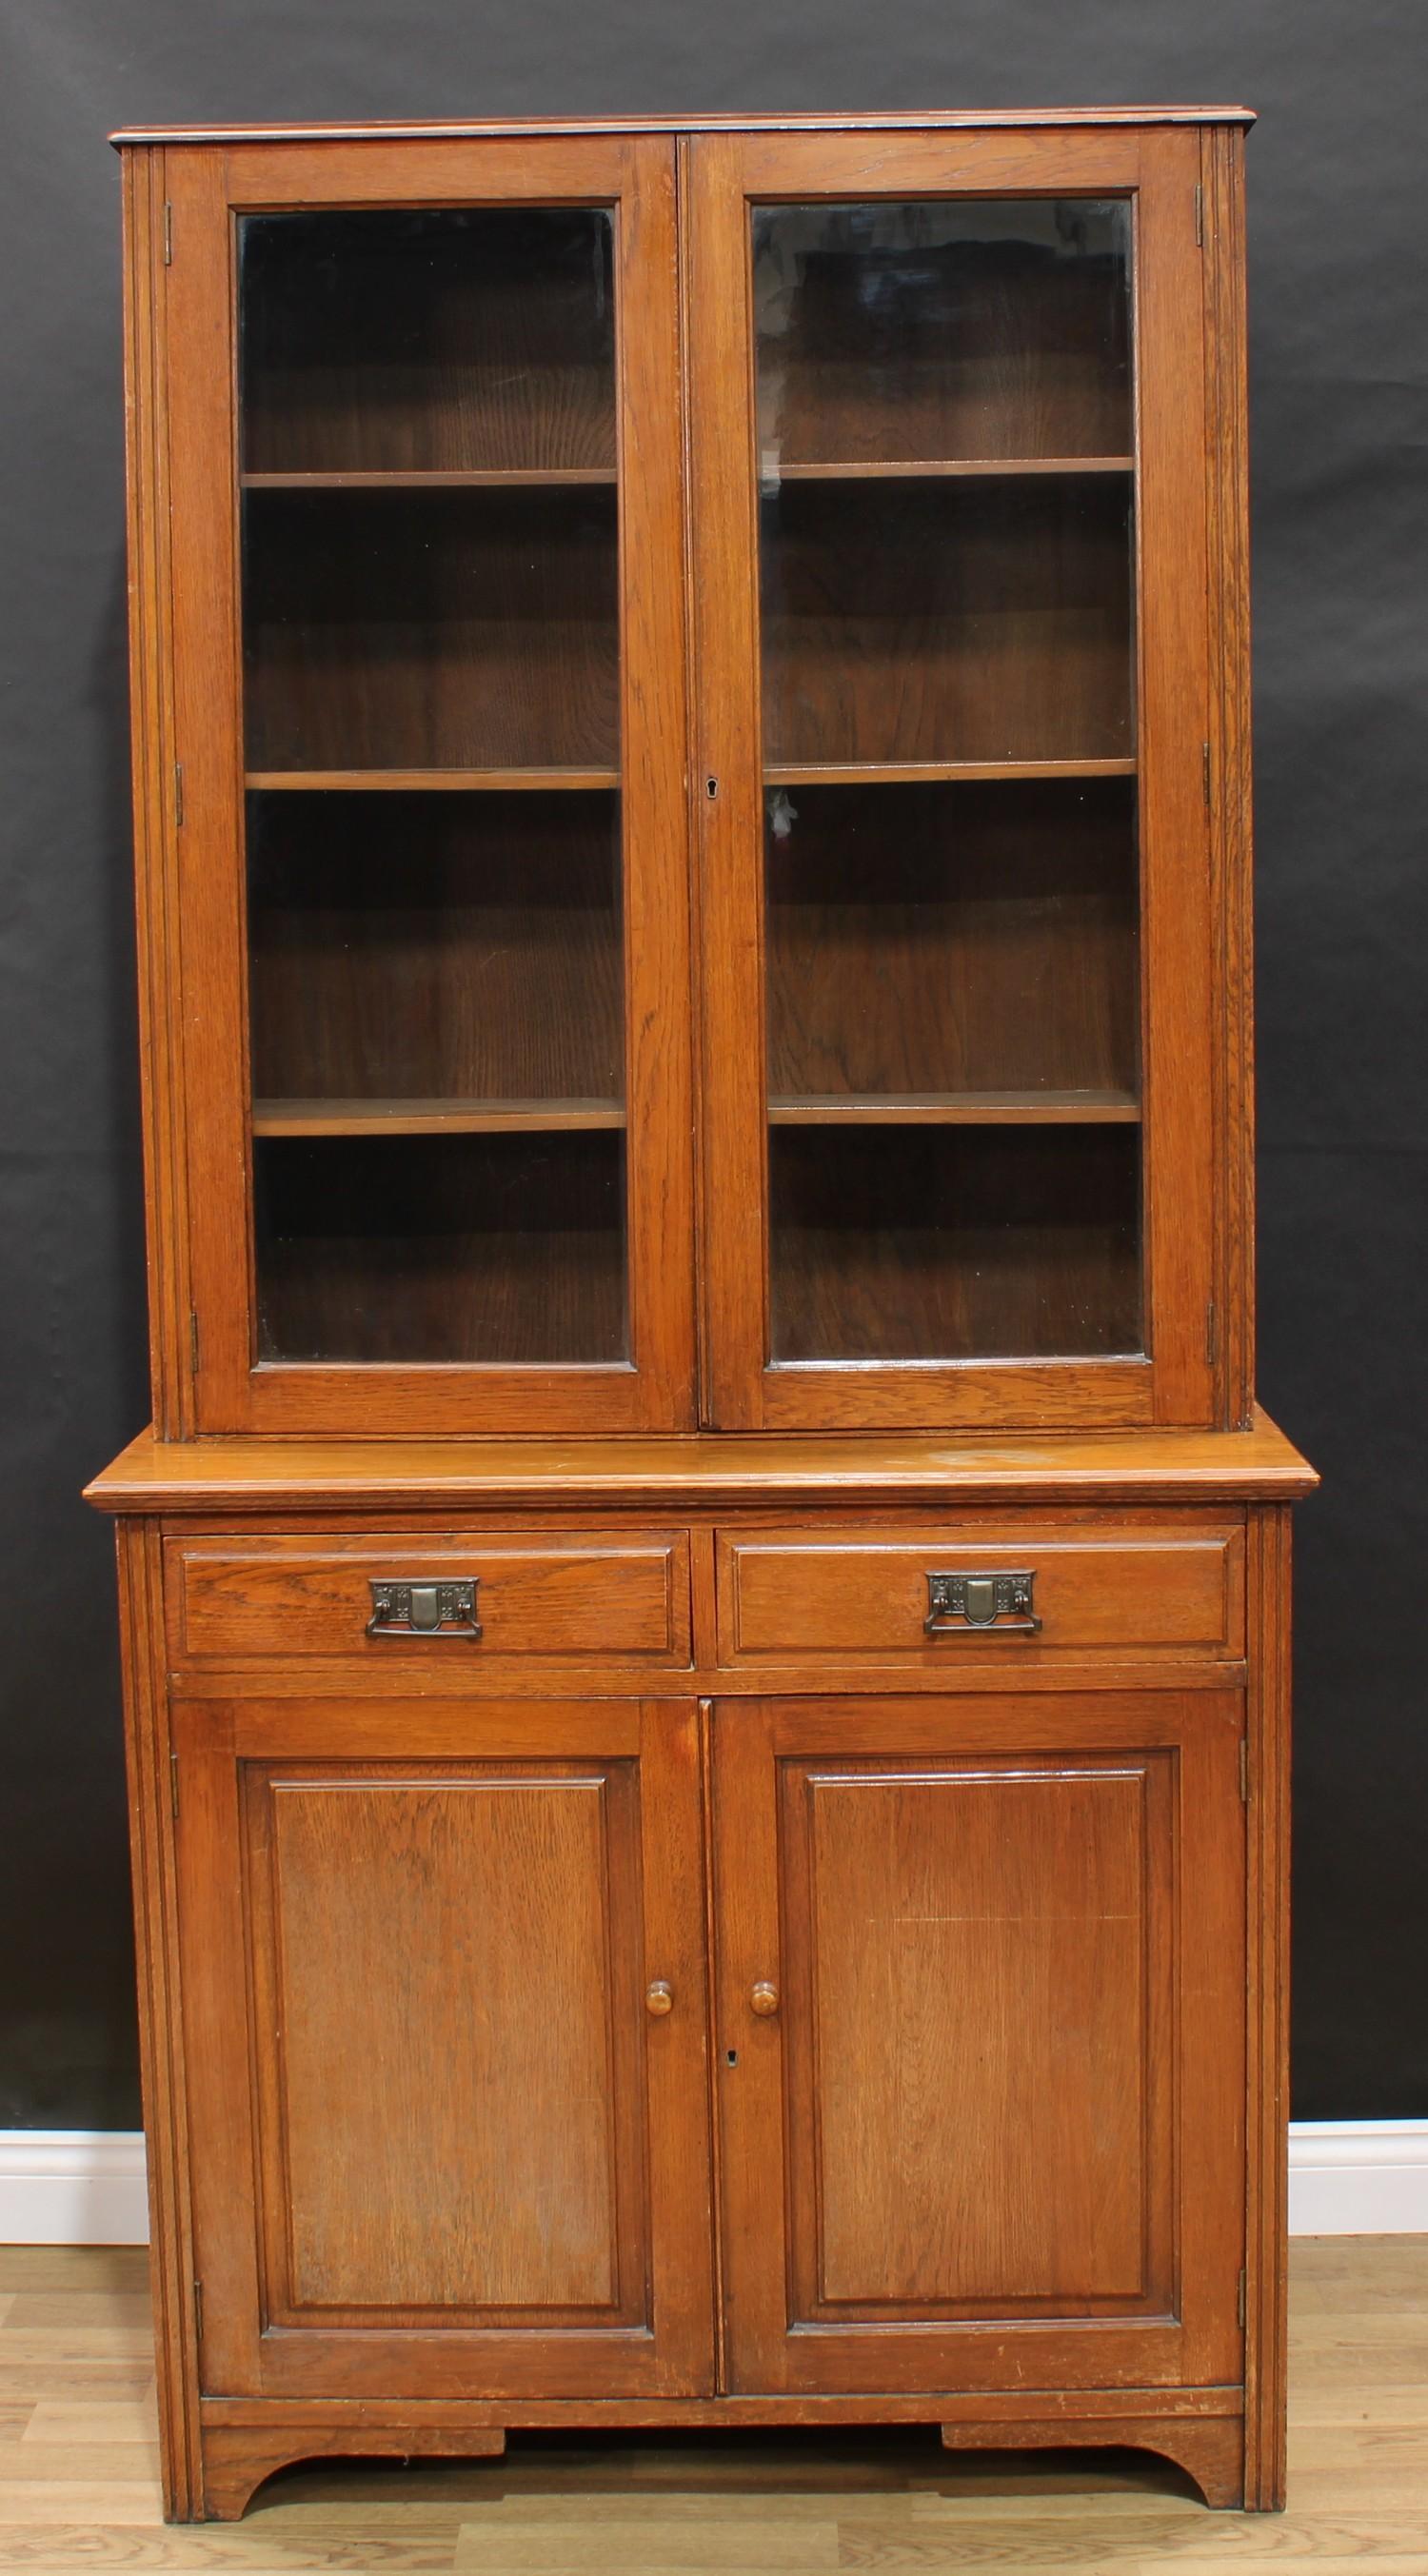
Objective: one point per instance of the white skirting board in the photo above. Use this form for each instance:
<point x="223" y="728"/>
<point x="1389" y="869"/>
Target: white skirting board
<point x="1358" y="2177"/>
<point x="86" y="2186"/>
<point x="73" y="2187"/>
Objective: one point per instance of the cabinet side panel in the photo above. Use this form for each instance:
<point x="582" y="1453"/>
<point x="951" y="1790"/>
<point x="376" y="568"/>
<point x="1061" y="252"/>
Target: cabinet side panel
<point x="1178" y="925"/>
<point x="1266" y="2234"/>
<point x="1231" y="845"/>
<point x="151" y="726"/>
<point x="160" y="2025"/>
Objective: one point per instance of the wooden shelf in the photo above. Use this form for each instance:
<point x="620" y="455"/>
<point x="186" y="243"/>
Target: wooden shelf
<point x="892" y="773"/>
<point x="960" y="1109"/>
<point x="459" y="781"/>
<point x="431" y="1117"/>
<point x="435" y="479"/>
<point x="859" y="470"/>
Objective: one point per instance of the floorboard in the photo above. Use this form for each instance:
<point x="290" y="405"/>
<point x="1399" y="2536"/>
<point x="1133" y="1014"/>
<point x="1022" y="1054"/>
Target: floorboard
<point x="79" y="2485"/>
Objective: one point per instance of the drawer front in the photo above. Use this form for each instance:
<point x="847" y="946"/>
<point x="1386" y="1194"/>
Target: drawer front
<point x="869" y="1595"/>
<point x="575" y="1596"/>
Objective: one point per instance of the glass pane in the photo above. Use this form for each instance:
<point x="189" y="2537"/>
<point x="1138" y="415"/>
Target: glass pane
<point x="947" y="560"/>
<point x="431" y="656"/>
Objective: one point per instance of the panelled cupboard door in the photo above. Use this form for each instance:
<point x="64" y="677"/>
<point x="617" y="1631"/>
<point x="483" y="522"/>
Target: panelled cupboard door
<point x="445" y="2024"/>
<point x="422" y="466"/>
<point x="980" y="2041"/>
<point x="947" y="435"/>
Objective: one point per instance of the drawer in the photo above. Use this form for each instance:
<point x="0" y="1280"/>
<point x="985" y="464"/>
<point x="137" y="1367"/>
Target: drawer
<point x="576" y="1595"/>
<point x="867" y="1594"/>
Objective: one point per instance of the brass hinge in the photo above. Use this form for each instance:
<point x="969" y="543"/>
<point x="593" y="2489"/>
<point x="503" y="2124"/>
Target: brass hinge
<point x="198" y="2310"/>
<point x="1240" y="2308"/>
<point x="1212" y="1334"/>
<point x="168" y="234"/>
<point x="173" y="1782"/>
<point x="1199" y="215"/>
<point x="178" y="795"/>
<point x="1205" y="769"/>
<point x="194" y="1362"/>
<point x="1244" y="1769"/>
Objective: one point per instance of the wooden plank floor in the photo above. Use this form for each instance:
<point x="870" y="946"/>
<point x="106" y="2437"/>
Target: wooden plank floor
<point x="78" y="2488"/>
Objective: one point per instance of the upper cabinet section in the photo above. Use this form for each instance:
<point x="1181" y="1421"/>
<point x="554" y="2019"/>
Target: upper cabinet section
<point x="431" y="482"/>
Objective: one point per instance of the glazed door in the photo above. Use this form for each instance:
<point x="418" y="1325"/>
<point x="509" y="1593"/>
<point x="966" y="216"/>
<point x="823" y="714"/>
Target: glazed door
<point x="980" y="2041"/>
<point x="947" y="434"/>
<point x="428" y="812"/>
<point x="445" y="2028"/>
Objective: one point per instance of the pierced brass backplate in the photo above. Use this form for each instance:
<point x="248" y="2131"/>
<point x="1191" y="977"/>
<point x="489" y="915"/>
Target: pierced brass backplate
<point x="957" y="1601"/>
<point x="425" y="1609"/>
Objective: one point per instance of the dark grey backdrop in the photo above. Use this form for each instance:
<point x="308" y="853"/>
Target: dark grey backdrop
<point x="1339" y="337"/>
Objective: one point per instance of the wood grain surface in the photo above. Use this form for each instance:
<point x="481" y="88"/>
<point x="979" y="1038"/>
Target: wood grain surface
<point x="851" y="1592"/>
<point x="480" y="2160"/>
<point x="544" y="1595"/>
<point x="1258" y="1464"/>
<point x="964" y="1906"/>
<point x="951" y="119"/>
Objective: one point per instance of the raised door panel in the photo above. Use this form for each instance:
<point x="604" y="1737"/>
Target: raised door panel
<point x="423" y="466"/>
<point x="947" y="467"/>
<point x="979" y="1991"/>
<point x="459" y="2153"/>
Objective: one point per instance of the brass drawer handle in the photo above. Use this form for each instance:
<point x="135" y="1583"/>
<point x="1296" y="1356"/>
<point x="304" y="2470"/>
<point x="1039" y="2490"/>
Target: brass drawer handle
<point x="425" y="1609"/>
<point x="957" y="1602"/>
<point x="659" y="1997"/>
<point x="764" y="1999"/>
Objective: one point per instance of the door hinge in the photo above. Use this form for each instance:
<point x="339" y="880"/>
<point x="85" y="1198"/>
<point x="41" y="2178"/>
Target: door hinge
<point x="1212" y="1333"/>
<point x="1240" y="2304"/>
<point x="178" y="795"/>
<point x="1244" y="1770"/>
<point x="1205" y="772"/>
<point x="198" y="2311"/>
<point x="193" y="1357"/>
<point x="173" y="1782"/>
<point x="168" y="234"/>
<point x="1199" y="215"/>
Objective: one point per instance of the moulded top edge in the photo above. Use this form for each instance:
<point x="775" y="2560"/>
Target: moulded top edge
<point x="394" y="129"/>
<point x="664" y="1471"/>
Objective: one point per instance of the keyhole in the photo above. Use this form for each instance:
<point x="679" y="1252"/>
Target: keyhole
<point x="711" y="787"/>
<point x="732" y="2055"/>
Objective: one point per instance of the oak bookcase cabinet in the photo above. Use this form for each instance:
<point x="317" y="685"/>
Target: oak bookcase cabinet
<point x="705" y="1606"/>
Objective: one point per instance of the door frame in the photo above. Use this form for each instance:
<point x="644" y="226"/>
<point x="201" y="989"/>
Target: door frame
<point x="204" y="949"/>
<point x="233" y="2150"/>
<point x="1158" y="169"/>
<point x="1200" y="2341"/>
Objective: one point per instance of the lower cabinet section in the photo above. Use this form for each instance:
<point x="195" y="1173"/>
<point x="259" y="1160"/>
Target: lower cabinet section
<point x="968" y="2057"/>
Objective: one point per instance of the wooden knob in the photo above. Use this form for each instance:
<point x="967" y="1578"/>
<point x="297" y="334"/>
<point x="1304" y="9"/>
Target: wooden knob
<point x="764" y="1998"/>
<point x="659" y="1998"/>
